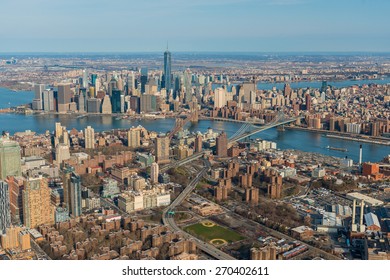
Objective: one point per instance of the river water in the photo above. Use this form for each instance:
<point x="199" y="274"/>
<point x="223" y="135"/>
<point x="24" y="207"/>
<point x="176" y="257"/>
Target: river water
<point x="289" y="139"/>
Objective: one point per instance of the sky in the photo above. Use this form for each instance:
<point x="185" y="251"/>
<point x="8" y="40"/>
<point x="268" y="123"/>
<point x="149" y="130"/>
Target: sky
<point x="194" y="26"/>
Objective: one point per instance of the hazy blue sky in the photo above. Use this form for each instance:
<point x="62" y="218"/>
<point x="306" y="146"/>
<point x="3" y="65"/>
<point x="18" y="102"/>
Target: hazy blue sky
<point x="197" y="25"/>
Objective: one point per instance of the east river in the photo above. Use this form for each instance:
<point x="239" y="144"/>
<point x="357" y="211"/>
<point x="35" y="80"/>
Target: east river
<point x="289" y="139"/>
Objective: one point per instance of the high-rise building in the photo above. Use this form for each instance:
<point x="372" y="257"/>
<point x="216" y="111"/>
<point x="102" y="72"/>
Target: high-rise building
<point x="97" y="86"/>
<point x="9" y="158"/>
<point x="162" y="149"/>
<point x="16" y="185"/>
<point x="38" y="97"/>
<point x="85" y="78"/>
<point x="37" y="208"/>
<point x="94" y="78"/>
<point x="187" y="86"/>
<point x="93" y="105"/>
<point x="135" y="104"/>
<point x="64" y="96"/>
<point x="148" y="103"/>
<point x="92" y="92"/>
<point x="113" y="84"/>
<point x="252" y="195"/>
<point x="134" y="138"/>
<point x="308" y="102"/>
<point x="154" y="171"/>
<point x="89" y="137"/>
<point x="167" y="71"/>
<point x="116" y="101"/>
<point x="144" y="78"/>
<point x="246" y="89"/>
<point x="5" y="209"/>
<point x="80" y="100"/>
<point x="66" y="176"/>
<point x="287" y="90"/>
<point x="62" y="153"/>
<point x="61" y="215"/>
<point x="48" y="100"/>
<point x="75" y="195"/>
<point x="222" y="144"/>
<point x="219" y="98"/>
<point x="16" y="237"/>
<point x="106" y="105"/>
<point x="324" y="86"/>
<point x="58" y="130"/>
<point x="198" y="143"/>
<point x="131" y="82"/>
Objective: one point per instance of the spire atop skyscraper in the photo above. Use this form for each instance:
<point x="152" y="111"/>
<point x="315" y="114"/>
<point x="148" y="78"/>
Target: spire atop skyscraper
<point x="167" y="70"/>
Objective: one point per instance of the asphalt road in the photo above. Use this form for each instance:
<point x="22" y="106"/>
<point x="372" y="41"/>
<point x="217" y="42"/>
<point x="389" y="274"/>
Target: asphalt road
<point x="168" y="219"/>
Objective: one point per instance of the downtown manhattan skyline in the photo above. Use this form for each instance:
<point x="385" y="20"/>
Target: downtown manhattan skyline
<point x="201" y="26"/>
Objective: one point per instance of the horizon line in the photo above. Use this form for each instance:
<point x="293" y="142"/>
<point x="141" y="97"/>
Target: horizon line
<point x="232" y="52"/>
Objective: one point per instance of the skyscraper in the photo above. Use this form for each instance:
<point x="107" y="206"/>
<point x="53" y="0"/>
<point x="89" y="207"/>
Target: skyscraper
<point x="89" y="137"/>
<point x="308" y="102"/>
<point x="62" y="153"/>
<point x="75" y="195"/>
<point x="198" y="143"/>
<point x="135" y="104"/>
<point x="162" y="149"/>
<point x="222" y="144"/>
<point x="85" y="78"/>
<point x="16" y="186"/>
<point x="154" y="169"/>
<point x="48" y="100"/>
<point x="66" y="175"/>
<point x="64" y="96"/>
<point x="148" y="103"/>
<point x="167" y="70"/>
<point x="93" y="105"/>
<point x="38" y="98"/>
<point x="94" y="77"/>
<point x="9" y="158"/>
<point x="219" y="98"/>
<point x="116" y="101"/>
<point x="37" y="208"/>
<point x="106" y="105"/>
<point x="144" y="78"/>
<point x="113" y="84"/>
<point x="80" y="99"/>
<point x="131" y="82"/>
<point x="134" y="138"/>
<point x="187" y="86"/>
<point x="5" y="212"/>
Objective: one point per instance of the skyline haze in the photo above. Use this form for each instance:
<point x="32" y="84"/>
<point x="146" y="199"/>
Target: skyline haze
<point x="210" y="26"/>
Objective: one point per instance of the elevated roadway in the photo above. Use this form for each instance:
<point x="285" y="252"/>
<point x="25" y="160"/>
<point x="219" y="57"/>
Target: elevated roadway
<point x="168" y="218"/>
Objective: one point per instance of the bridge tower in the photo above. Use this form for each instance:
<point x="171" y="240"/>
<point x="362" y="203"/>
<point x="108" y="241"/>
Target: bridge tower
<point x="195" y="115"/>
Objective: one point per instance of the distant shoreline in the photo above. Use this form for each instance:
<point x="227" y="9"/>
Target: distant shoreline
<point x="16" y="88"/>
<point x="345" y="136"/>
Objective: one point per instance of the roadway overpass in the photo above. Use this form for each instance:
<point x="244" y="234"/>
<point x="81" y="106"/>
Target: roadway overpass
<point x="183" y="161"/>
<point x="168" y="219"/>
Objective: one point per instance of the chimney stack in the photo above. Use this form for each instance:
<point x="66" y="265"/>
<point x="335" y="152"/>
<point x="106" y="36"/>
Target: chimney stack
<point x="354" y="211"/>
<point x="360" y="155"/>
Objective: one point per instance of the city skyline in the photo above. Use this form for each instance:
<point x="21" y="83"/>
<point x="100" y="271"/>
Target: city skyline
<point x="223" y="26"/>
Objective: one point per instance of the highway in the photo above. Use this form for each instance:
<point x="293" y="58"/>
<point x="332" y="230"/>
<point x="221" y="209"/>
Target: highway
<point x="183" y="161"/>
<point x="107" y="203"/>
<point x="168" y="219"/>
<point x="38" y="250"/>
